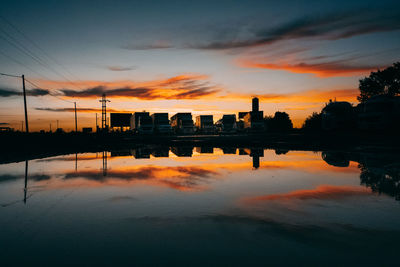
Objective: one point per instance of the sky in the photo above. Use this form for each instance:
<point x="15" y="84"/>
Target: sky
<point x="204" y="57"/>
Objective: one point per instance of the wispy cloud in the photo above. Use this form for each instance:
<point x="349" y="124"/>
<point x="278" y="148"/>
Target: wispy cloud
<point x="332" y="26"/>
<point x="31" y="92"/>
<point x="178" y="87"/>
<point x="322" y="192"/>
<point x="324" y="69"/>
<point x="121" y="68"/>
<point x="155" y="45"/>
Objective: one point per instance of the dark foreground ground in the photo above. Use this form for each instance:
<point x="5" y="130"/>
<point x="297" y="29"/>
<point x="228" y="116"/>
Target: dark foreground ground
<point x="20" y="146"/>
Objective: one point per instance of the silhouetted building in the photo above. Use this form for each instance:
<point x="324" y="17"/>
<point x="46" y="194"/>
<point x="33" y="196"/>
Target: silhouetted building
<point x="255" y="104"/>
<point x="379" y="113"/>
<point x="205" y="124"/>
<point x="182" y="123"/>
<point x="337" y="115"/>
<point x="120" y="120"/>
<point x="161" y="123"/>
<point x="87" y="129"/>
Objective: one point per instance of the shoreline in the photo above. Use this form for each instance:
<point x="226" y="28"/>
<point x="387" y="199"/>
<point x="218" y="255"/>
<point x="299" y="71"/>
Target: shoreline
<point x="21" y="146"/>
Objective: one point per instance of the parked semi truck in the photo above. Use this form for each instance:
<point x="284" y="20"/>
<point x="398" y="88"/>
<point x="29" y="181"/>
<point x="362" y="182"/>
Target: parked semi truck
<point x="205" y="124"/>
<point x="182" y="123"/>
<point x="227" y="124"/>
<point x="142" y="123"/>
<point x="161" y="123"/>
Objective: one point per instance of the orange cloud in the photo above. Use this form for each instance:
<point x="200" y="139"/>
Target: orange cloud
<point x="322" y="192"/>
<point x="322" y="70"/>
<point x="186" y="86"/>
<point x="308" y="96"/>
<point x="184" y="178"/>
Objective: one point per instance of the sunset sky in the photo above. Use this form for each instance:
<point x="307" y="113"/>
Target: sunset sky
<point x="204" y="57"/>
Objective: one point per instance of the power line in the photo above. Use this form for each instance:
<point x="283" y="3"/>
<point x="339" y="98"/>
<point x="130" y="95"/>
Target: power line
<point x="37" y="46"/>
<point x="23" y="65"/>
<point x="32" y="83"/>
<point x="10" y="75"/>
<point x="16" y="44"/>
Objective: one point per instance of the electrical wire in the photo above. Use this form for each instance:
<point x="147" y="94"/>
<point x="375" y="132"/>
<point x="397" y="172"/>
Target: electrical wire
<point x="10" y="75"/>
<point x="16" y="44"/>
<point x="37" y="46"/>
<point x="38" y="87"/>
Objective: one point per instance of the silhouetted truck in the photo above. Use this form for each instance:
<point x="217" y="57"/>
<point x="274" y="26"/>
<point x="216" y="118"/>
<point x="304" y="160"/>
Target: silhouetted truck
<point x="227" y="124"/>
<point x="182" y="123"/>
<point x="142" y="123"/>
<point x="161" y="123"/>
<point x="205" y="124"/>
<point x="254" y="121"/>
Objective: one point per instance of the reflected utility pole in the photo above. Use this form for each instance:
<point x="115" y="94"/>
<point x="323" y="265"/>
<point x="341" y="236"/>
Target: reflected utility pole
<point x="26" y="180"/>
<point x="104" y="163"/>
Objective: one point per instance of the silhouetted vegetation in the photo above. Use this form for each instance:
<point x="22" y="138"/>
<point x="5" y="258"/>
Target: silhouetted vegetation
<point x="280" y="122"/>
<point x="313" y="122"/>
<point x="381" y="82"/>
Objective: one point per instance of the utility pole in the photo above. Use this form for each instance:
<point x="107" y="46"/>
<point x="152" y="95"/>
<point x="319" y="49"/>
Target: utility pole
<point x="96" y="122"/>
<point x="26" y="112"/>
<point x="104" y="111"/>
<point x="76" y="120"/>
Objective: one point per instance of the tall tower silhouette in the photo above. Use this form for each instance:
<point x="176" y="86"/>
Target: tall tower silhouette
<point x="104" y="111"/>
<point x="255" y="104"/>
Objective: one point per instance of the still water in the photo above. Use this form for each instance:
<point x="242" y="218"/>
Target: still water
<point x="201" y="206"/>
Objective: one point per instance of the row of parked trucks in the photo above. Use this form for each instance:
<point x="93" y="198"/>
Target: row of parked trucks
<point x="180" y="123"/>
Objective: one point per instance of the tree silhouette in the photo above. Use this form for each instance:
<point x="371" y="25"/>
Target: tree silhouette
<point x="280" y="122"/>
<point x="381" y="82"/>
<point x="313" y="122"/>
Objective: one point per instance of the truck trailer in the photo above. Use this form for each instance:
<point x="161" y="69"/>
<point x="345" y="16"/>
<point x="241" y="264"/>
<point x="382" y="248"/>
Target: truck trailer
<point x="227" y="124"/>
<point x="141" y="123"/>
<point x="205" y="124"/>
<point x="182" y="123"/>
<point x="161" y="123"/>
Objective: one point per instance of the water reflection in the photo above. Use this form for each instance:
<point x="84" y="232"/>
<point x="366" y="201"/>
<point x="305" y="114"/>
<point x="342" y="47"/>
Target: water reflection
<point x="231" y="201"/>
<point x="379" y="171"/>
